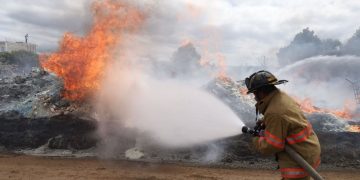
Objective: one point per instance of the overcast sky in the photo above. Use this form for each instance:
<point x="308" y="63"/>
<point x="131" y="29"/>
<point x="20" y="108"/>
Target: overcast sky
<point x="243" y="30"/>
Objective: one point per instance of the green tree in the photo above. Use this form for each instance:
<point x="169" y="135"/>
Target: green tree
<point x="306" y="44"/>
<point x="352" y="46"/>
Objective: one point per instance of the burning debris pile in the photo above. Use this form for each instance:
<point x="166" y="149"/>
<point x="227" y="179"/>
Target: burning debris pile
<point x="234" y="95"/>
<point x="33" y="113"/>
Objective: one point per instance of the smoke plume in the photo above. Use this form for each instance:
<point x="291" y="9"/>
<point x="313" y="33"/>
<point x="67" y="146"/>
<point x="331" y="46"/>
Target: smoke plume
<point x="158" y="107"/>
<point x="320" y="70"/>
<point x="168" y="113"/>
<point x="306" y="44"/>
<point x="323" y="79"/>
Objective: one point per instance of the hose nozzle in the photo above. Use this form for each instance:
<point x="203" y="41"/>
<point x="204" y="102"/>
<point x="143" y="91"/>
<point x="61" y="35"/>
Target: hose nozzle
<point x="247" y="130"/>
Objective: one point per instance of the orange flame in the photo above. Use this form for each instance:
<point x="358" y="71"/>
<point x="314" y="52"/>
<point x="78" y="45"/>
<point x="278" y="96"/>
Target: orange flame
<point x="221" y="66"/>
<point x="354" y="128"/>
<point x="307" y="106"/>
<point x="243" y="91"/>
<point x="81" y="61"/>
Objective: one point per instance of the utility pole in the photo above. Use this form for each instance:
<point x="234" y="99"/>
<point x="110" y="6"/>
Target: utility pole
<point x="26" y="38"/>
<point x="356" y="87"/>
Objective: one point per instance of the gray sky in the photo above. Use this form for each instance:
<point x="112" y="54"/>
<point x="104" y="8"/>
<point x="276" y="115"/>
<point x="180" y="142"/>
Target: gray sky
<point x="243" y="30"/>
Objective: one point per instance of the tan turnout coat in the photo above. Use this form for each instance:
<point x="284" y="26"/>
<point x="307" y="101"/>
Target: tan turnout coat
<point x="285" y="123"/>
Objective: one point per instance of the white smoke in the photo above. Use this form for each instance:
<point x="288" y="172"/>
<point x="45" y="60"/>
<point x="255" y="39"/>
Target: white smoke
<point x="178" y="115"/>
<point x="168" y="112"/>
<point x="323" y="79"/>
<point x="139" y="105"/>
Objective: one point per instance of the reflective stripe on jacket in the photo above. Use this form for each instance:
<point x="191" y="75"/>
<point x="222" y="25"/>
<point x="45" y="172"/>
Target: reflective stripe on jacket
<point x="286" y="124"/>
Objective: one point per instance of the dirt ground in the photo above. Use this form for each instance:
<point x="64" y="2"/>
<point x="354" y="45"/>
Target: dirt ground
<point x="31" y="167"/>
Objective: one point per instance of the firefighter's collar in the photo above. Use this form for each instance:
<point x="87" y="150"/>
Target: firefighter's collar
<point x="263" y="104"/>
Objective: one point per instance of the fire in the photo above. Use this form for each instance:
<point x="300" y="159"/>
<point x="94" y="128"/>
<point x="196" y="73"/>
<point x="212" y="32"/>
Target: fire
<point x="81" y="61"/>
<point x="307" y="106"/>
<point x="243" y="91"/>
<point x="354" y="128"/>
<point x="220" y="58"/>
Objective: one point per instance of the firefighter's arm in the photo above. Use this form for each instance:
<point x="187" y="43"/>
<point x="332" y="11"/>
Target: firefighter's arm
<point x="272" y="139"/>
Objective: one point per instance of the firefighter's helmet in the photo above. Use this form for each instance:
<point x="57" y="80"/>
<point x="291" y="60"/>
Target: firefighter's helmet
<point x="260" y="79"/>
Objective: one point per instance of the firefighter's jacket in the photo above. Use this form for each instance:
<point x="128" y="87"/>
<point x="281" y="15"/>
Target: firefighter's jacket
<point x="286" y="124"/>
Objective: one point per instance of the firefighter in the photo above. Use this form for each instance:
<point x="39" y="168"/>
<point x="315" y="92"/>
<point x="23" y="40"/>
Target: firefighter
<point x="284" y="123"/>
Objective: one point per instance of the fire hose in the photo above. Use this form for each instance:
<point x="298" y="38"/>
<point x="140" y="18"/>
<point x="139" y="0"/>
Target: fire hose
<point x="292" y="153"/>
